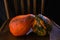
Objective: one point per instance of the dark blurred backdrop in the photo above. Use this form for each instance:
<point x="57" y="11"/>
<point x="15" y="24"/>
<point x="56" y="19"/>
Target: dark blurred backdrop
<point x="51" y="9"/>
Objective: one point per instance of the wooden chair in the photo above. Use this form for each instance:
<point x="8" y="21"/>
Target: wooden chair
<point x="18" y="7"/>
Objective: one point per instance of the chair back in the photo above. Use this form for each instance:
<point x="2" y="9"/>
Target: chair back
<point x="19" y="7"/>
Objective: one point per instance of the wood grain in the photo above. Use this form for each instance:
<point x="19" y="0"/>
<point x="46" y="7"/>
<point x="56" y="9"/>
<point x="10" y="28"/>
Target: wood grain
<point x="42" y="6"/>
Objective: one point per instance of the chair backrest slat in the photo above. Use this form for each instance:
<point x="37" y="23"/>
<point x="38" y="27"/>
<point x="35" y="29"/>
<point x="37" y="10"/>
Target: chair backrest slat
<point x="28" y="3"/>
<point x="6" y="8"/>
<point x="22" y="6"/>
<point x="34" y="6"/>
<point x="15" y="6"/>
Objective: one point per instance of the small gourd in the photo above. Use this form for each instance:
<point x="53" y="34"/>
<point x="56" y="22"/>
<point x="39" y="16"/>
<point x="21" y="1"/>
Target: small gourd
<point x="40" y="27"/>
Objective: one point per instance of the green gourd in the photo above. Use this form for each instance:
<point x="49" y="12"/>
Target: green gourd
<point x="40" y="26"/>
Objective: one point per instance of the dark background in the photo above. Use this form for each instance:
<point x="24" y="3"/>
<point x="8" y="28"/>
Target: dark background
<point x="51" y="10"/>
<point x="2" y="12"/>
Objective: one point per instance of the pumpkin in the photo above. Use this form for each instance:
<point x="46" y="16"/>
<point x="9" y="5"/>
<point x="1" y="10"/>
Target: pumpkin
<point x="40" y="27"/>
<point x="21" y="24"/>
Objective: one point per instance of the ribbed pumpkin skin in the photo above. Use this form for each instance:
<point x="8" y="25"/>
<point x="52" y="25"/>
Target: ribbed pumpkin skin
<point x="40" y="27"/>
<point x="20" y="25"/>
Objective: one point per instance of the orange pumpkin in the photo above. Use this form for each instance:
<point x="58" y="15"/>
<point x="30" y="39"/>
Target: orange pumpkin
<point x="21" y="24"/>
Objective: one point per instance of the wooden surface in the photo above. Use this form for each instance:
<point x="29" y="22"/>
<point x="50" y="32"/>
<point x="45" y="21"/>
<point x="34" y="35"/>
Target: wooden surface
<point x="6" y="35"/>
